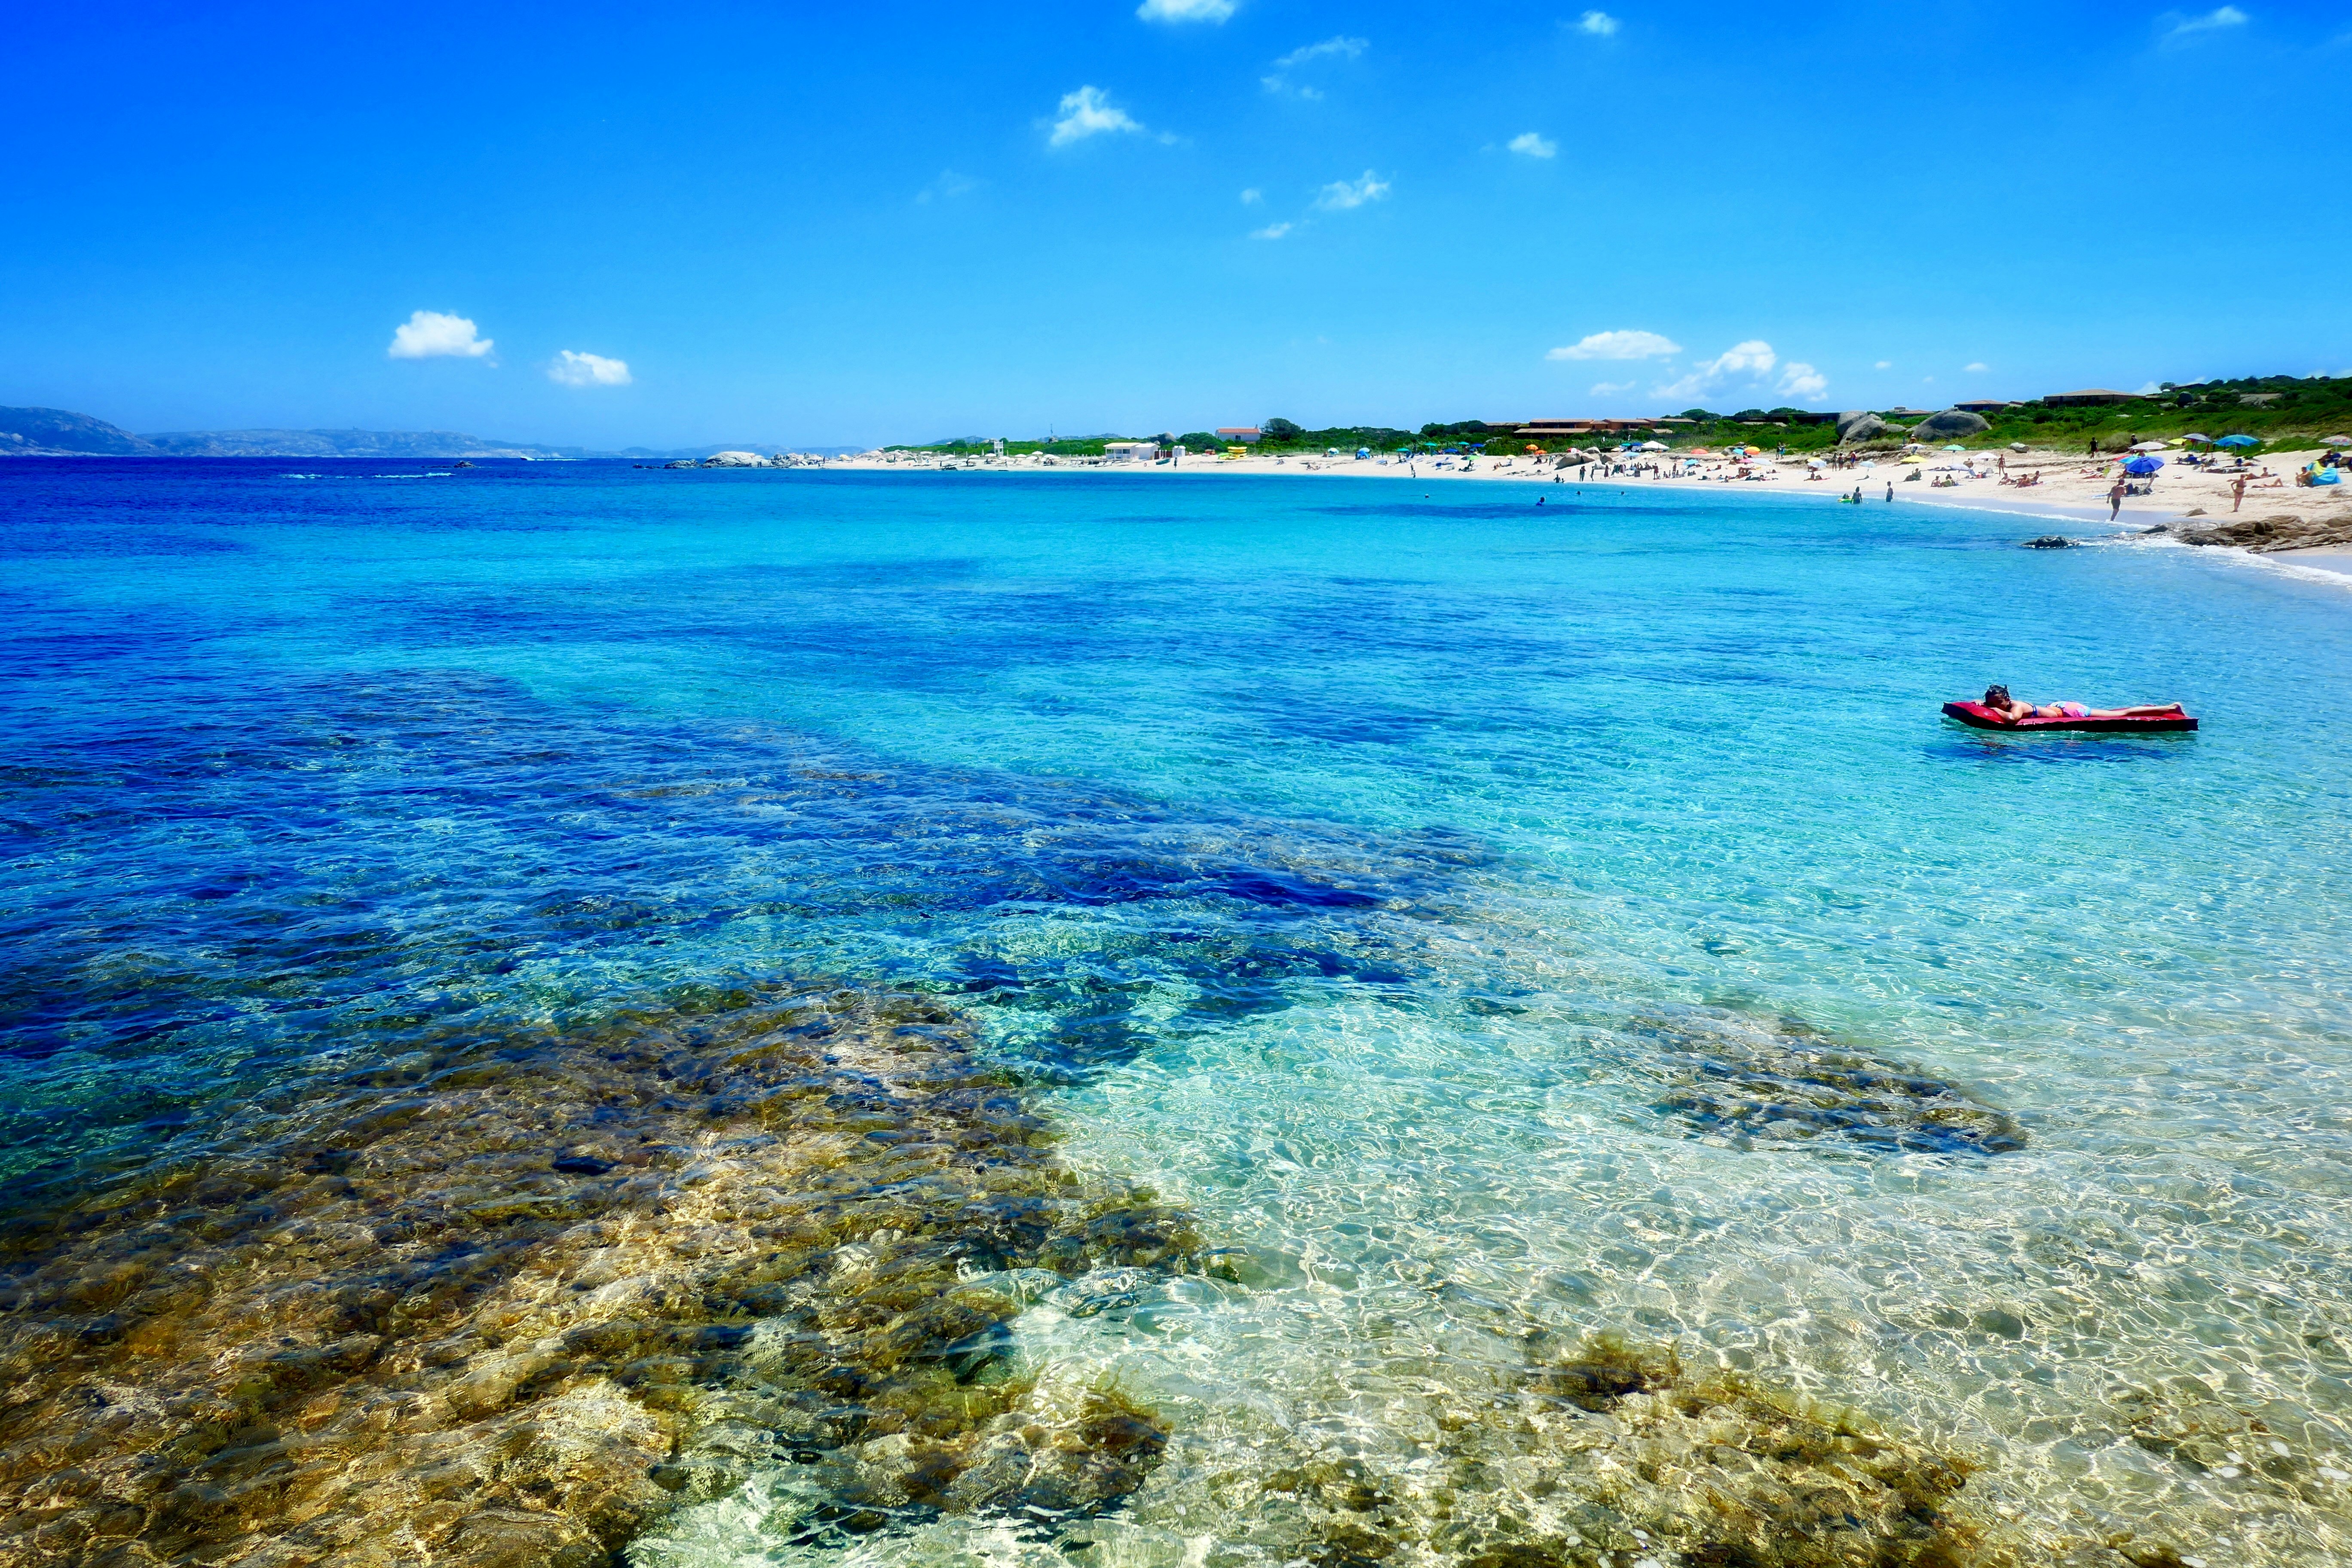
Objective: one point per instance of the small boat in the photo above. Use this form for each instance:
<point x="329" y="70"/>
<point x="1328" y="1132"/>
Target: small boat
<point x="1978" y="716"/>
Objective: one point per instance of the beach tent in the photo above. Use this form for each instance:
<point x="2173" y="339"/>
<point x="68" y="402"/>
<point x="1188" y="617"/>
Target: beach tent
<point x="2143" y="467"/>
<point x="2237" y="441"/>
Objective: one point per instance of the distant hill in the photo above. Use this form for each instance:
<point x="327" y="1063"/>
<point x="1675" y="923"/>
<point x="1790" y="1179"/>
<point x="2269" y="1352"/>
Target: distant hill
<point x="56" y="432"/>
<point x="345" y="443"/>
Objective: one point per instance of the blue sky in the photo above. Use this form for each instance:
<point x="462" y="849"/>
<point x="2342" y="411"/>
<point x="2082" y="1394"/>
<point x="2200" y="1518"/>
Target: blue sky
<point x="822" y="225"/>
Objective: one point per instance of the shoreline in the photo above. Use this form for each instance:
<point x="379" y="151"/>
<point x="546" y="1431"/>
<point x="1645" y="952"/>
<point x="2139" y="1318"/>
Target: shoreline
<point x="2075" y="499"/>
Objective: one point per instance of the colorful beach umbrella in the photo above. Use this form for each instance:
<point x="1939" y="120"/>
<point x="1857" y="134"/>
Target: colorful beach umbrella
<point x="1956" y="449"/>
<point x="2143" y="466"/>
<point x="2237" y="441"/>
<point x="2335" y="440"/>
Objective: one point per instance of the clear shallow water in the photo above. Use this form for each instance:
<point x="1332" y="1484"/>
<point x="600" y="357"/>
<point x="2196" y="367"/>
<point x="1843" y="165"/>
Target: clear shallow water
<point x="1393" y="882"/>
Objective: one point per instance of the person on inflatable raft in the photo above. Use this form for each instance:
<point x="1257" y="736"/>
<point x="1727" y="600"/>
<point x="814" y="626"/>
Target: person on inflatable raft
<point x="1997" y="699"/>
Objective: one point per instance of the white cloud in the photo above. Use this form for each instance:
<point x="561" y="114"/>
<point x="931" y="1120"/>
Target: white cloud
<point x="1252" y="197"/>
<point x="1618" y="345"/>
<point x="1343" y="46"/>
<point x="1272" y="231"/>
<point x="1185" y="10"/>
<point x="1533" y="146"/>
<point x="2211" y="22"/>
<point x="1341" y="194"/>
<point x="569" y="369"/>
<point x="1884" y="364"/>
<point x="1753" y="359"/>
<point x="948" y="187"/>
<point x="430" y="334"/>
<point x="1599" y="24"/>
<point x="1088" y="113"/>
<point x="1974" y="368"/>
<point x="1798" y="379"/>
<point x="1611" y="388"/>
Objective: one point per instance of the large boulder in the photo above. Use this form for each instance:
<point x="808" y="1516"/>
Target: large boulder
<point x="734" y="460"/>
<point x="1950" y="425"/>
<point x="1858" y="426"/>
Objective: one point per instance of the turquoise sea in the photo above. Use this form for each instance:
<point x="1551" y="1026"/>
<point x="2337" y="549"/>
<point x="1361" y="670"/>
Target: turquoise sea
<point x="1492" y="924"/>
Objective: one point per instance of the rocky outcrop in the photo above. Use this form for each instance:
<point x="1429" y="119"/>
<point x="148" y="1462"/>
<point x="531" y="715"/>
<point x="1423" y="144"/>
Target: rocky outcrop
<point x="2264" y="535"/>
<point x="1951" y="423"/>
<point x="1858" y="426"/>
<point x="735" y="460"/>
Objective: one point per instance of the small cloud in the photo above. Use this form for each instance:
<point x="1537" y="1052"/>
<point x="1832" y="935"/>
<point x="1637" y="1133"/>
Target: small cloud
<point x="948" y="187"/>
<point x="1341" y="194"/>
<point x="569" y="369"/>
<point x="1618" y="345"/>
<point x="430" y="334"/>
<point x="1927" y="381"/>
<point x="1533" y="146"/>
<point x="1185" y="10"/>
<point x="1975" y="368"/>
<point x="1272" y="231"/>
<point x="1611" y="388"/>
<point x="1599" y="24"/>
<point x="1329" y="48"/>
<point x="1884" y="364"/>
<point x="1252" y="197"/>
<point x="1088" y="113"/>
<point x="1798" y="379"/>
<point x="1753" y="358"/>
<point x="2213" y="21"/>
<point x="1343" y="46"/>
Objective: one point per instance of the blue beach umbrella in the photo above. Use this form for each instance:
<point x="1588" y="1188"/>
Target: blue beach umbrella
<point x="2143" y="466"/>
<point x="2237" y="441"/>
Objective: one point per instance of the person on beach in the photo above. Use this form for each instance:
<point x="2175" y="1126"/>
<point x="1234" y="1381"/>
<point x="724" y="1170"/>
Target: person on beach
<point x="1997" y="699"/>
<point x="2115" y="499"/>
<point x="2237" y="492"/>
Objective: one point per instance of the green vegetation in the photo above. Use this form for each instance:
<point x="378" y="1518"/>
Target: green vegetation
<point x="2285" y="410"/>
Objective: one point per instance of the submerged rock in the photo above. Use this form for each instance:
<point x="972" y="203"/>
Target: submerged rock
<point x="1726" y="1074"/>
<point x="2049" y="542"/>
<point x="508" y="1299"/>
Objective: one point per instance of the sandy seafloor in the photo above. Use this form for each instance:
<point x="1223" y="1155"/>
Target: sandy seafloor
<point x="823" y="1017"/>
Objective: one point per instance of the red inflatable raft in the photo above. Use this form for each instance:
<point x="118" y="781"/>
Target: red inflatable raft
<point x="1977" y="715"/>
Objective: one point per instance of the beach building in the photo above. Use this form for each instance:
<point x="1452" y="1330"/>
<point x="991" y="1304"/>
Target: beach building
<point x="1568" y="429"/>
<point x="1131" y="451"/>
<point x="2090" y="397"/>
<point x="1244" y="435"/>
<point x="1988" y="407"/>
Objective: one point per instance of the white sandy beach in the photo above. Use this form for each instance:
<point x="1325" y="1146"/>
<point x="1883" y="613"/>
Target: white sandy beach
<point x="2067" y="489"/>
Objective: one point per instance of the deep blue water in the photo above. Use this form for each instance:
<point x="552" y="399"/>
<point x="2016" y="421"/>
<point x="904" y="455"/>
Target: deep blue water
<point x="1375" y="867"/>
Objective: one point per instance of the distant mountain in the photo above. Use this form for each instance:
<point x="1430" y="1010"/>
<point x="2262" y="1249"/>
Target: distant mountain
<point x="346" y="443"/>
<point x="56" y="432"/>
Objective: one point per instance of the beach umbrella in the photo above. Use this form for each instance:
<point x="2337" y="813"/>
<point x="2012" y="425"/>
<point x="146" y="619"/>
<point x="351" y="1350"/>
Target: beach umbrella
<point x="2147" y="447"/>
<point x="1911" y="458"/>
<point x="2193" y="435"/>
<point x="1956" y="449"/>
<point x="2143" y="466"/>
<point x="2237" y="441"/>
<point x="1815" y="463"/>
<point x="2335" y="440"/>
<point x="1653" y="445"/>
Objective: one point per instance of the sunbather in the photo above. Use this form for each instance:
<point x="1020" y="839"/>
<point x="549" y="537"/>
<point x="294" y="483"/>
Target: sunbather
<point x="1997" y="699"/>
